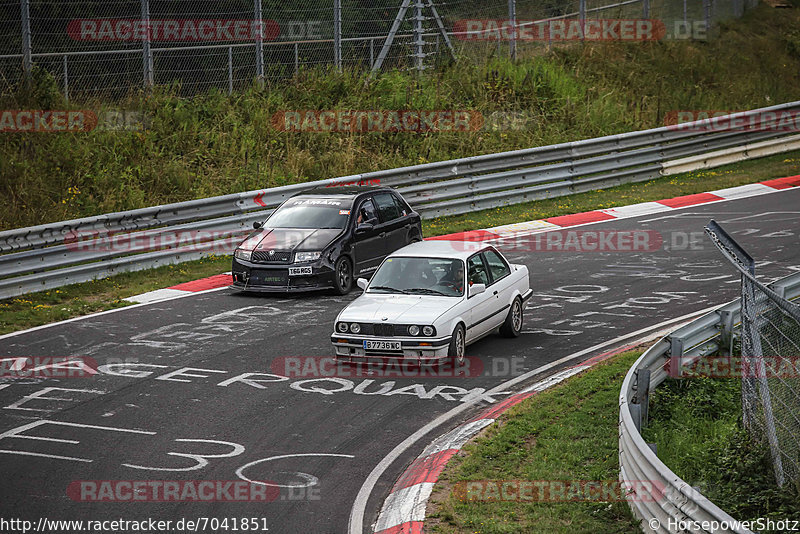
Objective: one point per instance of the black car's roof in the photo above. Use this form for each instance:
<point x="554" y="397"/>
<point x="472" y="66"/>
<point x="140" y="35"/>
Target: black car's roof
<point x="341" y="191"/>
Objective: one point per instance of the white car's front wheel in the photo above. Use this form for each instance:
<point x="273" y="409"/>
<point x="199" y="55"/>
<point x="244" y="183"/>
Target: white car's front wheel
<point x="457" y="345"/>
<point x="513" y="323"/>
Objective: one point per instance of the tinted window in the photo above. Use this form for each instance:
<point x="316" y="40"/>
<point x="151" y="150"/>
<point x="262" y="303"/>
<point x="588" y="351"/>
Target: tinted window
<point x="497" y="266"/>
<point x="401" y="206"/>
<point x="387" y="209"/>
<point x="367" y="212"/>
<point x="310" y="213"/>
<point x="476" y="271"/>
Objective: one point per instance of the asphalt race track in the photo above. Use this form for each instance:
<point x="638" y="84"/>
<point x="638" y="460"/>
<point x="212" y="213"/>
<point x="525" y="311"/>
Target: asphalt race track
<point x="195" y="389"/>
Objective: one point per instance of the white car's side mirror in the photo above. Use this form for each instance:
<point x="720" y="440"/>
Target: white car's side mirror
<point x="476" y="289"/>
<point x="362" y="283"/>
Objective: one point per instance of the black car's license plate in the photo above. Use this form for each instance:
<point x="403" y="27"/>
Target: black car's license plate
<point x="382" y="345"/>
<point x="296" y="271"/>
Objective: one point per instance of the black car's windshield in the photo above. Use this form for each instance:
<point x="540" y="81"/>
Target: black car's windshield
<point x="311" y="213"/>
<point x="422" y="276"/>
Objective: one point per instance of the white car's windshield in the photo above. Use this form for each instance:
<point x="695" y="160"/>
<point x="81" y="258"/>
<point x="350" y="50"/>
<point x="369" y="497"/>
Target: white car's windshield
<point x="422" y="276"/>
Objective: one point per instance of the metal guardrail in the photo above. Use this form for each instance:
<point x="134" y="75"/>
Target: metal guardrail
<point x="51" y="255"/>
<point x="672" y="499"/>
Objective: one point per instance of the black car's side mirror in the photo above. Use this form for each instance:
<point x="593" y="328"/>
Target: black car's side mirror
<point x="256" y="225"/>
<point x="364" y="228"/>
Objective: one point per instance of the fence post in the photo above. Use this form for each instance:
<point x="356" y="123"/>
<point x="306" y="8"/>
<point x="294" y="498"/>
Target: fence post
<point x="147" y="55"/>
<point x="512" y="21"/>
<point x="337" y="34"/>
<point x="707" y="13"/>
<point x="259" y="44"/>
<point x="419" y="40"/>
<point x="27" y="61"/>
<point x="646" y="9"/>
<point x="685" y="13"/>
<point x="582" y="16"/>
<point x="296" y="59"/>
<point x="230" y="70"/>
<point x="66" y="80"/>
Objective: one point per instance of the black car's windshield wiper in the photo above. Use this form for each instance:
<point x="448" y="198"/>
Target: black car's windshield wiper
<point x="388" y="288"/>
<point x="428" y="291"/>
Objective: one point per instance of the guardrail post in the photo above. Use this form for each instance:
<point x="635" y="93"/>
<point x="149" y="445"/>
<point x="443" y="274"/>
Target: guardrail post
<point x="643" y="393"/>
<point x="27" y="60"/>
<point x="259" y="44"/>
<point x="646" y="9"/>
<point x="726" y="322"/>
<point x="337" y="34"/>
<point x="147" y="54"/>
<point x="512" y="21"/>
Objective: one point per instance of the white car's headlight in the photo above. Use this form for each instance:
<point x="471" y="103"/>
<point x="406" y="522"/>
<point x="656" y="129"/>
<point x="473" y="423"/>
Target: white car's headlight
<point x="342" y="327"/>
<point x="413" y="330"/>
<point x="243" y="254"/>
<point x="428" y="330"/>
<point x="307" y="256"/>
<point x="355" y="328"/>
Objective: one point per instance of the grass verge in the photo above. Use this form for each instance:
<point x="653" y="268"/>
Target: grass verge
<point x="696" y="426"/>
<point x="566" y="433"/>
<point x="80" y="299"/>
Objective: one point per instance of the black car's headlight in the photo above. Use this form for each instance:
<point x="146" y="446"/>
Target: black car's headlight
<point x="301" y="257"/>
<point x="245" y="255"/>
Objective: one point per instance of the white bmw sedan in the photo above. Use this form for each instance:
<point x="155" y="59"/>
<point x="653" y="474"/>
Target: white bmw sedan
<point x="428" y="300"/>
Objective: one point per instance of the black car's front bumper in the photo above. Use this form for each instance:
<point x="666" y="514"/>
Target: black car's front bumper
<point x="271" y="278"/>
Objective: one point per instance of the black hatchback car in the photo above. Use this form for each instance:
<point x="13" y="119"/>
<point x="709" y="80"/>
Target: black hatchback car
<point x="323" y="238"/>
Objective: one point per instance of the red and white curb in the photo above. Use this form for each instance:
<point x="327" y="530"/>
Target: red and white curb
<point x="529" y="227"/>
<point x="403" y="511"/>
<point x="624" y="212"/>
<point x="211" y="283"/>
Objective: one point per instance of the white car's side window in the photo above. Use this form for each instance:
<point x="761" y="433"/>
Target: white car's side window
<point x="476" y="271"/>
<point x="497" y="266"/>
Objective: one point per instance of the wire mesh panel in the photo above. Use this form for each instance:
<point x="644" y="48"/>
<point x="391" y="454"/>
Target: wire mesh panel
<point x="771" y="400"/>
<point x="111" y="47"/>
<point x="10" y="44"/>
<point x="770" y="367"/>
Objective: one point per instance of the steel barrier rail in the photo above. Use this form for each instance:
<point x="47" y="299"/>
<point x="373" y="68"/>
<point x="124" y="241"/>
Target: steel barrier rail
<point x="31" y="258"/>
<point x="669" y="498"/>
<point x="695" y="134"/>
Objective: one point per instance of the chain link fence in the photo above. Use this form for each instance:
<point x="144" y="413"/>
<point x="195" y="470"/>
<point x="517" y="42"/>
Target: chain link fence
<point x="104" y="48"/>
<point x="770" y="341"/>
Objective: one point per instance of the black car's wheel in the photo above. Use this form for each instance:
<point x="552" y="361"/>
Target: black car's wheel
<point x="513" y="323"/>
<point x="342" y="276"/>
<point x="457" y="346"/>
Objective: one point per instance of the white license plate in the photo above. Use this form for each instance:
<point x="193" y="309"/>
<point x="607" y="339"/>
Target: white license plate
<point x="382" y="345"/>
<point x="295" y="271"/>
